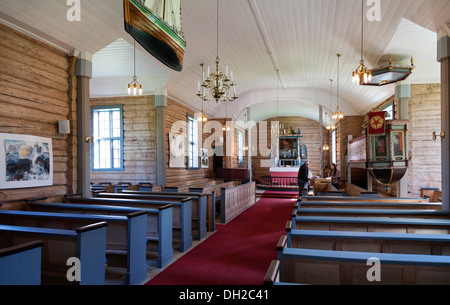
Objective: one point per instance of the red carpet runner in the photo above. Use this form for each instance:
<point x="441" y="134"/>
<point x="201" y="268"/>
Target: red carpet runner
<point x="239" y="253"/>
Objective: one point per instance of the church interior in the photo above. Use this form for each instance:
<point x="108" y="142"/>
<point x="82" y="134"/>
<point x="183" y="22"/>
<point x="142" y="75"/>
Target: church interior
<point x="161" y="142"/>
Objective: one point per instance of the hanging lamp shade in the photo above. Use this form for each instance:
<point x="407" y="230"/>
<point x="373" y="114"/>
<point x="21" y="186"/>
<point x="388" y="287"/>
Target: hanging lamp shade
<point x="390" y="73"/>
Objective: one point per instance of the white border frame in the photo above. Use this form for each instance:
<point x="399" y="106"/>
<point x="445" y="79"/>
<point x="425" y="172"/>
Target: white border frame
<point x="22" y="184"/>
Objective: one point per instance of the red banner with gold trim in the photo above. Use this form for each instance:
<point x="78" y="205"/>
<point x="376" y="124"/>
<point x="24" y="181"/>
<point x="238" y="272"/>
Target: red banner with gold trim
<point x="377" y="123"/>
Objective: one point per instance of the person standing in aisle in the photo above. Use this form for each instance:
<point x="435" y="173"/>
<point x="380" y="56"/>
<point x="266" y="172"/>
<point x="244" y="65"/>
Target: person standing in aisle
<point x="303" y="178"/>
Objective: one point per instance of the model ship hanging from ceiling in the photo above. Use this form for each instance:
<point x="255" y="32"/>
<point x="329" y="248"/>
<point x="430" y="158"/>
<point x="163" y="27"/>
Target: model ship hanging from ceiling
<point x="156" y="25"/>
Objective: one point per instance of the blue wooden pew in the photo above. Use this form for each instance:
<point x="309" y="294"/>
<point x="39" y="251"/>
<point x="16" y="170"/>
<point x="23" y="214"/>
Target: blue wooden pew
<point x="370" y="205"/>
<point x="431" y="244"/>
<point x="159" y="222"/>
<point x="203" y="210"/>
<point x="182" y="212"/>
<point x="272" y="277"/>
<point x="126" y="235"/>
<point x="364" y="199"/>
<point x="199" y="203"/>
<point x="332" y="194"/>
<point x="393" y="213"/>
<point x="21" y="264"/>
<point x="87" y="243"/>
<point x="328" y="267"/>
<point x="372" y="224"/>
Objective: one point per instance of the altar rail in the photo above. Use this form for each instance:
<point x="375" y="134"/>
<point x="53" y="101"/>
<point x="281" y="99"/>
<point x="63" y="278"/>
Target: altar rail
<point x="278" y="182"/>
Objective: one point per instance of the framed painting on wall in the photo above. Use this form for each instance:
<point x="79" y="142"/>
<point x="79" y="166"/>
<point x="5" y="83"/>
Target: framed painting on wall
<point x="25" y="161"/>
<point x="176" y="148"/>
<point x="205" y="158"/>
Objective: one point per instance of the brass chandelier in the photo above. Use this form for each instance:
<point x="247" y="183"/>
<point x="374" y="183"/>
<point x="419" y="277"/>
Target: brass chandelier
<point x="362" y="75"/>
<point x="217" y="85"/>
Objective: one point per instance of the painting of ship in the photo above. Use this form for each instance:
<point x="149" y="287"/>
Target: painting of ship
<point x="156" y="26"/>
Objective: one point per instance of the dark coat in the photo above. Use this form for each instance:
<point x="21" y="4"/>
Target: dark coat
<point x="303" y="172"/>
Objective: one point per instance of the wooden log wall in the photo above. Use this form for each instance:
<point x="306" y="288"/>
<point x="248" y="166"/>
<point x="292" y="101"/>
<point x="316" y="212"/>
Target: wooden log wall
<point x="350" y="125"/>
<point x="176" y="115"/>
<point x="38" y="88"/>
<point x="424" y="153"/>
<point x="139" y="131"/>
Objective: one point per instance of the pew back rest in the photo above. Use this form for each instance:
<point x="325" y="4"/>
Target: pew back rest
<point x="435" y="244"/>
<point x="395" y="225"/>
<point x="152" y="221"/>
<point x="117" y="225"/>
<point x="21" y="264"/>
<point x="87" y="243"/>
<point x="371" y="205"/>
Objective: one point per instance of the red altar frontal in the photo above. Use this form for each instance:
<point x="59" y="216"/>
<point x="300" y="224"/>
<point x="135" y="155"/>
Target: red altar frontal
<point x="284" y="176"/>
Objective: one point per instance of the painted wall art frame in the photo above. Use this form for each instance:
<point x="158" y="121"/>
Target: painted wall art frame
<point x="205" y="158"/>
<point x="25" y="161"/>
<point x="177" y="151"/>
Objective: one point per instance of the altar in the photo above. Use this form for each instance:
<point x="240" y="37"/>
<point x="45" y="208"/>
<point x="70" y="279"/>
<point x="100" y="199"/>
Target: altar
<point x="285" y="176"/>
<point x="284" y="171"/>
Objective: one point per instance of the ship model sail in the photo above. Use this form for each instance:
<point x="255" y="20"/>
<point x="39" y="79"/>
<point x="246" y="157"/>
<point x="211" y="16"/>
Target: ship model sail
<point x="156" y="26"/>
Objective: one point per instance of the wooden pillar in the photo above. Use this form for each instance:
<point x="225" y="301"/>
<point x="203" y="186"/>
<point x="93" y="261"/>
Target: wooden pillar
<point x="444" y="59"/>
<point x="84" y="74"/>
<point x="249" y="144"/>
<point x="403" y="95"/>
<point x="321" y="140"/>
<point x="161" y="140"/>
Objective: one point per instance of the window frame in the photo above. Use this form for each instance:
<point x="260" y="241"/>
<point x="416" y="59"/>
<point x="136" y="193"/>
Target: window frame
<point x="192" y="147"/>
<point x="334" y="146"/>
<point x="387" y="106"/>
<point x="240" y="148"/>
<point x="94" y="144"/>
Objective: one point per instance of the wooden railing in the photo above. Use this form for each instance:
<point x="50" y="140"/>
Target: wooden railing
<point x="235" y="200"/>
<point x="281" y="182"/>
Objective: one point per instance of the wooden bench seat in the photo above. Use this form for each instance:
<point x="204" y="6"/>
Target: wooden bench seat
<point x="327" y="267"/>
<point x="332" y="194"/>
<point x="370" y="205"/>
<point x="372" y="224"/>
<point x="363" y="199"/>
<point x="88" y="243"/>
<point x="125" y="239"/>
<point x="182" y="212"/>
<point x="392" y="213"/>
<point x="410" y="243"/>
<point x="199" y="201"/>
<point x="159" y="223"/>
<point x="21" y="264"/>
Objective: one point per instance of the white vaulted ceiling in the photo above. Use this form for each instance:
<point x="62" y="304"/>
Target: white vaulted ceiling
<point x="257" y="37"/>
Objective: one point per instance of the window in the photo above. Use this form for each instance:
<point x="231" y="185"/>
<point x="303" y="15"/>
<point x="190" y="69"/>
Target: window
<point x="389" y="108"/>
<point x="107" y="132"/>
<point x="240" y="148"/>
<point x="333" y="147"/>
<point x="192" y="136"/>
